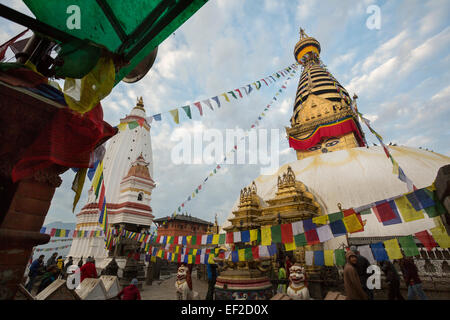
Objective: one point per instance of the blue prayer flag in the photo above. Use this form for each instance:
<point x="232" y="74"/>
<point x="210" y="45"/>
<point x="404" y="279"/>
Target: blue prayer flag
<point x="397" y="218"/>
<point x="157" y="117"/>
<point x="272" y="249"/>
<point x="424" y="199"/>
<point x="338" y="228"/>
<point x="308" y="225"/>
<point x="412" y="197"/>
<point x="209" y="238"/>
<point x="234" y="256"/>
<point x="319" y="259"/>
<point x="245" y="236"/>
<point x="379" y="253"/>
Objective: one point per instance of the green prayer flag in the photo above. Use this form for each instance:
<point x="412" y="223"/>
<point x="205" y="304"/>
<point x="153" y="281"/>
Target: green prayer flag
<point x="300" y="240"/>
<point x="171" y="240"/>
<point x="133" y="124"/>
<point x="248" y="254"/>
<point x="409" y="246"/>
<point x="276" y="233"/>
<point x="191" y="251"/>
<point x="194" y="240"/>
<point x="336" y="216"/>
<point x="339" y="255"/>
<point x="436" y="210"/>
<point x="187" y="109"/>
<point x="367" y="211"/>
<point x="222" y="238"/>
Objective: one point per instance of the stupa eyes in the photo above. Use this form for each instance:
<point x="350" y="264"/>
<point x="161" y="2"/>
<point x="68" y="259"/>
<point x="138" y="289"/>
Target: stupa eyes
<point x="332" y="143"/>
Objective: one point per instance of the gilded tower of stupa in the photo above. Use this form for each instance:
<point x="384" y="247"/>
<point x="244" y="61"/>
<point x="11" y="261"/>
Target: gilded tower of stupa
<point x="322" y="120"/>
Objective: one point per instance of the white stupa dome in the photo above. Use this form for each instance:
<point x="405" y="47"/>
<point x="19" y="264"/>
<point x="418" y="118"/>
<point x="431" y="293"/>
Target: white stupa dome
<point x="360" y="176"/>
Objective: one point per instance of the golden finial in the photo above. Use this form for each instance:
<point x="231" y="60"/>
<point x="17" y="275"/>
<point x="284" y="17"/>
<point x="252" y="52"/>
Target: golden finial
<point x="303" y="34"/>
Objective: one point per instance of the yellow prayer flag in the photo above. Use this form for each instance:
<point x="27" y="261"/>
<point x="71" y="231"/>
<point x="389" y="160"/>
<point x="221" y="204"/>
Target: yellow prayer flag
<point x="172" y="257"/>
<point x="253" y="235"/>
<point x="393" y="249"/>
<point x="175" y="116"/>
<point x="122" y="126"/>
<point x="352" y="223"/>
<point x="320" y="220"/>
<point x="169" y="238"/>
<point x="329" y="255"/>
<point x="241" y="253"/>
<point x="441" y="237"/>
<point x="266" y="236"/>
<point x="211" y="259"/>
<point x="188" y="239"/>
<point x="177" y="249"/>
<point x="394" y="167"/>
<point x="215" y="239"/>
<point x="153" y="259"/>
<point x="159" y="253"/>
<point x="98" y="173"/>
<point x="290" y="246"/>
<point x="194" y="252"/>
<point x="226" y="97"/>
<point x="191" y="259"/>
<point x="407" y="210"/>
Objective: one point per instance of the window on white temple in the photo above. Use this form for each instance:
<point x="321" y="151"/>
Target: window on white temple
<point x="140" y="196"/>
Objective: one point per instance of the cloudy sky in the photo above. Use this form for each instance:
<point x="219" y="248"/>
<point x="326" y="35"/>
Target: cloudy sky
<point x="400" y="73"/>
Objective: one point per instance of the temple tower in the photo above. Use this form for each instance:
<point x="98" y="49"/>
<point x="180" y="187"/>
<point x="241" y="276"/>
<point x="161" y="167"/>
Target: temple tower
<point x="128" y="171"/>
<point x="323" y="119"/>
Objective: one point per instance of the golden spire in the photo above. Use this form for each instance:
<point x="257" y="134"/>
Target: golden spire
<point x="139" y="104"/>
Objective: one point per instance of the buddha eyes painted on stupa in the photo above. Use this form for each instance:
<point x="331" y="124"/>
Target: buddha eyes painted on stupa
<point x="327" y="143"/>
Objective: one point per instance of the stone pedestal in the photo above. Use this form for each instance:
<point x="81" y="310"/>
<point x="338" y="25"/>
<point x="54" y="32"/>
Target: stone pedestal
<point x="235" y="284"/>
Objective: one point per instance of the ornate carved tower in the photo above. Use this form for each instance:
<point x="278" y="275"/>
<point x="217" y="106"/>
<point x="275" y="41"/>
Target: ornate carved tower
<point x="323" y="119"/>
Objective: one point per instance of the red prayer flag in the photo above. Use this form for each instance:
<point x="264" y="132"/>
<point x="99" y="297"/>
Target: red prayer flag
<point x="199" y="106"/>
<point x="158" y="239"/>
<point x="426" y="239"/>
<point x="229" y="238"/>
<point x="312" y="237"/>
<point x="384" y="212"/>
<point x="255" y="252"/>
<point x="175" y="240"/>
<point x="197" y="259"/>
<point x="53" y="232"/>
<point x="286" y="233"/>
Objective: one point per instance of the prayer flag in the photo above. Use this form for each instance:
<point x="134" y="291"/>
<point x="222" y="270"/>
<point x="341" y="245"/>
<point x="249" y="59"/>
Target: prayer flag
<point x="328" y="257"/>
<point x="424" y="199"/>
<point x="308" y="225"/>
<point x="320" y="220"/>
<point x="194" y="240"/>
<point x="409" y="246"/>
<point x="366" y="252"/>
<point x="216" y="99"/>
<point x="339" y="255"/>
<point x="241" y="254"/>
<point x="338" y="228"/>
<point x="208" y="103"/>
<point x="426" y="239"/>
<point x="187" y="109"/>
<point x="407" y="210"/>
<point x="441" y="237"/>
<point x="286" y="233"/>
<point x="352" y="223"/>
<point x="209" y="239"/>
<point x="297" y="228"/>
<point x="272" y="249"/>
<point x="412" y="198"/>
<point x="245" y="236"/>
<point x="204" y="238"/>
<point x="290" y="246"/>
<point x="318" y="258"/>
<point x="255" y="252"/>
<point x="234" y="256"/>
<point x="300" y="240"/>
<point x="215" y="239"/>
<point x="233" y="94"/>
<point x="312" y="237"/>
<point x="253" y="234"/>
<point x="226" y="97"/>
<point x="222" y="237"/>
<point x="199" y="106"/>
<point x="335" y="216"/>
<point x="393" y="249"/>
<point x="266" y="236"/>
<point x="276" y="233"/>
<point x="157" y="117"/>
<point x="237" y="236"/>
<point x="309" y="256"/>
<point x="379" y="252"/>
<point x="263" y="251"/>
<point x="324" y="233"/>
<point x="229" y="237"/>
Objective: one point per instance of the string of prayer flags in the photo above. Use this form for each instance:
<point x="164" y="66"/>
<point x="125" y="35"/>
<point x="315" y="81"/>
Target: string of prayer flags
<point x="328" y="256"/>
<point x="352" y="223"/>
<point x="441" y="237"/>
<point x="366" y="252"/>
<point x="339" y="256"/>
<point x="407" y="211"/>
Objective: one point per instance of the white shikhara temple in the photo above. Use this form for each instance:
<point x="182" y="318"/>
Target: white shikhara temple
<point x="128" y="171"/>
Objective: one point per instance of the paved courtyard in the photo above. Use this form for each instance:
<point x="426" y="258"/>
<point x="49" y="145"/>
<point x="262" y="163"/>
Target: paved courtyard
<point x="165" y="289"/>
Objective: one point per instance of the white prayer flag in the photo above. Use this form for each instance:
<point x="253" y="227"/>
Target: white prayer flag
<point x="324" y="233"/>
<point x="309" y="256"/>
<point x="237" y="236"/>
<point x="366" y="252"/>
<point x="297" y="228"/>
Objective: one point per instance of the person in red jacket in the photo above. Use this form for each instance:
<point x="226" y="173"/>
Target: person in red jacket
<point x="131" y="292"/>
<point x="88" y="270"/>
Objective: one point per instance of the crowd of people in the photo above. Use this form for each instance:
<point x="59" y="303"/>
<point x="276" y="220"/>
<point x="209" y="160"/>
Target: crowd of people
<point x="356" y="276"/>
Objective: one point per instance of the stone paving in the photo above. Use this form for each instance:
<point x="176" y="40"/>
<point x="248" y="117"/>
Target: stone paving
<point x="165" y="289"/>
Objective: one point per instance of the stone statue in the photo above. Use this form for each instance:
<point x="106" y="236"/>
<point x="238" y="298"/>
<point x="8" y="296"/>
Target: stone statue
<point x="297" y="289"/>
<point x="183" y="285"/>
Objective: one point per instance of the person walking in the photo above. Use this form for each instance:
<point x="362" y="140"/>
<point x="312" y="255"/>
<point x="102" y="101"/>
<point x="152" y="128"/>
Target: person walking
<point x="212" y="276"/>
<point x="393" y="280"/>
<point x="352" y="282"/>
<point x="412" y="280"/>
<point x="131" y="292"/>
<point x="361" y="267"/>
<point x="80" y="263"/>
<point x="88" y="270"/>
<point x="36" y="268"/>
